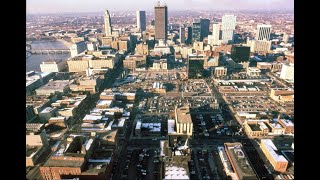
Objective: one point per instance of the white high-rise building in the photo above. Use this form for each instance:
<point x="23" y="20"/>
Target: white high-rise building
<point x="285" y="38"/>
<point x="78" y="48"/>
<point x="141" y="20"/>
<point x="228" y="26"/>
<point x="182" y="35"/>
<point x="263" y="32"/>
<point x="287" y="72"/>
<point x="215" y="34"/>
<point x="107" y="23"/>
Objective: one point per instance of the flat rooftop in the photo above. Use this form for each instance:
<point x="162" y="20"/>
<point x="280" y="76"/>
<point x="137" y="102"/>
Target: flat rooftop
<point x="272" y="150"/>
<point x="58" y="84"/>
<point x="239" y="159"/>
<point x="176" y="170"/>
<point x="183" y="115"/>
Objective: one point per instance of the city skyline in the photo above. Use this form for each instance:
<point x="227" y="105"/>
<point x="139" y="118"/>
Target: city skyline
<point x="59" y="6"/>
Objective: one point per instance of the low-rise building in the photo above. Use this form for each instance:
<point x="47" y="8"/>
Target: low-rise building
<point x="278" y="162"/>
<point x="91" y="84"/>
<point x="239" y="161"/>
<point x="282" y="94"/>
<point x="53" y="87"/>
<point x="47" y="113"/>
<point x="160" y="64"/>
<point x="134" y="61"/>
<point x="253" y="71"/>
<point x="264" y="65"/>
<point x="53" y="65"/>
<point x="36" y="143"/>
<point x="288" y="126"/>
<point x="220" y="71"/>
<point x="256" y="128"/>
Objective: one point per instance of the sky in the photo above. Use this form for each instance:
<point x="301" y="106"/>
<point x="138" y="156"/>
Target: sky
<point x="61" y="6"/>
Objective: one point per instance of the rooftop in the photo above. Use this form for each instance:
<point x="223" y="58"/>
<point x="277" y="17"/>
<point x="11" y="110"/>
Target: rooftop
<point x="271" y="148"/>
<point x="176" y="170"/>
<point x="287" y="122"/>
<point x="239" y="159"/>
<point x="55" y="85"/>
<point x="183" y="115"/>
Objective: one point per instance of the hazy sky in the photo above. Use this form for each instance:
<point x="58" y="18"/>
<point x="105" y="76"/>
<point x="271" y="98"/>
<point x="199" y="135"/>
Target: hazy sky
<point x="58" y="6"/>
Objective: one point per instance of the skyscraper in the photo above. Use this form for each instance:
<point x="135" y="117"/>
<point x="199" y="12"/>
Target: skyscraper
<point x="189" y="40"/>
<point x="200" y="29"/>
<point x="182" y="35"/>
<point x="107" y="23"/>
<point x="205" y="23"/>
<point x="263" y="32"/>
<point x="215" y="34"/>
<point x="228" y="27"/>
<point x="161" y="21"/>
<point x="141" y="20"/>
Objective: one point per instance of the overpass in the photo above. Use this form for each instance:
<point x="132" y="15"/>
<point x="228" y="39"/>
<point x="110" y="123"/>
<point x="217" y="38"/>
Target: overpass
<point x="47" y="51"/>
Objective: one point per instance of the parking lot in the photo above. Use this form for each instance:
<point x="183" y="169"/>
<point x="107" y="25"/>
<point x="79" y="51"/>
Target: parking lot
<point x="253" y="103"/>
<point x="141" y="164"/>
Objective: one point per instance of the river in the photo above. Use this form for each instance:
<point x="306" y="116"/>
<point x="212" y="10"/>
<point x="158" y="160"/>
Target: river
<point x="33" y="62"/>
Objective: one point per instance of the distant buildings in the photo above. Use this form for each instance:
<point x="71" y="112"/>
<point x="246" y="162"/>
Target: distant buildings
<point x="228" y="27"/>
<point x="78" y="48"/>
<point x="141" y="20"/>
<point x="107" y="24"/>
<point x="53" y="65"/>
<point x="161" y="22"/>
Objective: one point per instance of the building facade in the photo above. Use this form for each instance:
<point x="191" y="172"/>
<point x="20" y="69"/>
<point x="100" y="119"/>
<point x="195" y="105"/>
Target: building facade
<point x="141" y="20"/>
<point x="53" y="65"/>
<point x="78" y="48"/>
<point x="107" y="23"/>
<point x="161" y="21"/>
<point x="228" y="26"/>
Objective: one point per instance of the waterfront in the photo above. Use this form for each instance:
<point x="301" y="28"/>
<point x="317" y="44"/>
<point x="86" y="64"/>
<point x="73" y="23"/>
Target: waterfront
<point x="33" y="62"/>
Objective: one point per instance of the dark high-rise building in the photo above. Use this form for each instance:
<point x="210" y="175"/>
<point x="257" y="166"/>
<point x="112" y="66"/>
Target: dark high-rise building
<point x="196" y="65"/>
<point x="161" y="21"/>
<point x="141" y="20"/>
<point x="152" y="22"/>
<point x="240" y="53"/>
<point x="189" y="40"/>
<point x="182" y="35"/>
<point x="205" y="25"/>
<point x="200" y="29"/>
<point x="196" y="30"/>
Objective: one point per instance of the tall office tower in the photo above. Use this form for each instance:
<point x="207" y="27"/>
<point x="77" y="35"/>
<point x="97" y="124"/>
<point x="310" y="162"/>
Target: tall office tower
<point x="141" y="20"/>
<point x="189" y="40"/>
<point x="204" y="32"/>
<point x="107" y="23"/>
<point x="263" y="32"/>
<point x="161" y="21"/>
<point x="182" y="35"/>
<point x="228" y="27"/>
<point x="215" y="34"/>
<point x="200" y="29"/>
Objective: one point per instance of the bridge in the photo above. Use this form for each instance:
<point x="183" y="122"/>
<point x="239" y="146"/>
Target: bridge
<point x="49" y="51"/>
